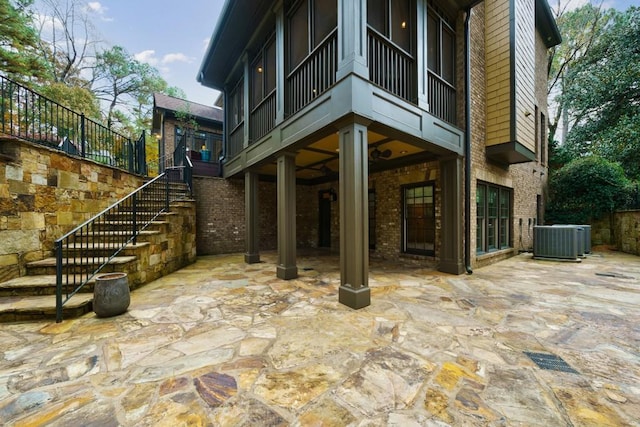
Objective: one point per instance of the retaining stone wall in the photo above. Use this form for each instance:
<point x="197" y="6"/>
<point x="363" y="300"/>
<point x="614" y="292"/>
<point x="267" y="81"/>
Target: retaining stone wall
<point x="44" y="194"/>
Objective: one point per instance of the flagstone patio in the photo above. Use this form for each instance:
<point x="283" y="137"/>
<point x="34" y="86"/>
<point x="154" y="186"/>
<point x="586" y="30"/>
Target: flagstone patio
<point x="223" y="343"/>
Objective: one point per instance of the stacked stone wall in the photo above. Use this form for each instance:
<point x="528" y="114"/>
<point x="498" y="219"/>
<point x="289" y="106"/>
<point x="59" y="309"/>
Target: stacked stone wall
<point x="44" y="194"/>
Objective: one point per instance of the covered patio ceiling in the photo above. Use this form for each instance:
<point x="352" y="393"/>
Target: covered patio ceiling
<point x="318" y="162"/>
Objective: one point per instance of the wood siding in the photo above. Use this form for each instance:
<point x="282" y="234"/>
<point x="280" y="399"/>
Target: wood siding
<point x="498" y="71"/>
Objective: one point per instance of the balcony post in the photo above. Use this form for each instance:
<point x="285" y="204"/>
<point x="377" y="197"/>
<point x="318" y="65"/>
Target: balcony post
<point x="251" y="215"/>
<point x="354" y="289"/>
<point x="286" y="184"/>
<point x="245" y="101"/>
<point x="280" y="62"/>
<point x="352" y="39"/>
<point x="421" y="55"/>
<point x="451" y="251"/>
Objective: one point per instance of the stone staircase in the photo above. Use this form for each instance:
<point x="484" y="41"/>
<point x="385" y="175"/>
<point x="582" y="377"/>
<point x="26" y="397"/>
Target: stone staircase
<point x="32" y="297"/>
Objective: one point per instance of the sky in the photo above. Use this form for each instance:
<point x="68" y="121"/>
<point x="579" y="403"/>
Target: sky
<point x="173" y="35"/>
<point x="170" y="35"/>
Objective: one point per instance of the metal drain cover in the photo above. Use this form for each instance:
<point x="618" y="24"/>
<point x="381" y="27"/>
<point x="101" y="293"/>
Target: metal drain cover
<point x="550" y="362"/>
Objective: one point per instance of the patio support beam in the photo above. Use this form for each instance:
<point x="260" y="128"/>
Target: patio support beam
<point x="352" y="39"/>
<point x="451" y="250"/>
<point x="251" y="217"/>
<point x="286" y="184"/>
<point x="354" y="289"/>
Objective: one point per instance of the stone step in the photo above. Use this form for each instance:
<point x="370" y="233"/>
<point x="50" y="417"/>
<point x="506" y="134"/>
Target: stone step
<point x="39" y="285"/>
<point x="116" y="225"/>
<point x="77" y="265"/>
<point x="108" y="236"/>
<point x="102" y="248"/>
<point x="21" y="308"/>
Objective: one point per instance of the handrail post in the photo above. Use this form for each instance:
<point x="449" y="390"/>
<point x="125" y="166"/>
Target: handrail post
<point x="134" y="221"/>
<point x="166" y="178"/>
<point x="82" y="135"/>
<point x="58" y="249"/>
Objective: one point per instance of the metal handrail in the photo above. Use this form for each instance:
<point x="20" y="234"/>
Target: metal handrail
<point x="128" y="217"/>
<point x="26" y="114"/>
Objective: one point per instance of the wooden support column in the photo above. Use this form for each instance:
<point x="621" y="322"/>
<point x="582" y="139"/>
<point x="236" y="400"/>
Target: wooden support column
<point x="286" y="268"/>
<point x="251" y="217"/>
<point x="354" y="217"/>
<point x="451" y="249"/>
<point x="352" y="38"/>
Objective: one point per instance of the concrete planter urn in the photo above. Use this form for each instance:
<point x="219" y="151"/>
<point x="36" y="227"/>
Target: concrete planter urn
<point x="111" y="294"/>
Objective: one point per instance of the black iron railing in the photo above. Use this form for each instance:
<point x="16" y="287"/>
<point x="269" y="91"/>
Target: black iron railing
<point x="314" y="75"/>
<point x="28" y="115"/>
<point x="391" y="67"/>
<point x="91" y="246"/>
<point x="182" y="167"/>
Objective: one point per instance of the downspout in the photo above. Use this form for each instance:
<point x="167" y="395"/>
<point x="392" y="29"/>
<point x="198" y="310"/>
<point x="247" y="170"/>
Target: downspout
<point x="467" y="142"/>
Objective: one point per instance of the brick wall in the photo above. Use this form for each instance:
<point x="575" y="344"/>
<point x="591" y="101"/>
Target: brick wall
<point x="44" y="194"/>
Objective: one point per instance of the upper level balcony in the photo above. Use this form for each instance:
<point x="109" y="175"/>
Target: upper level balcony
<point x="294" y="52"/>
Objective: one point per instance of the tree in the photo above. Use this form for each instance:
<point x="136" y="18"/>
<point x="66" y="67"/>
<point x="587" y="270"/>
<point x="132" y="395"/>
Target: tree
<point x="18" y="41"/>
<point x="602" y="95"/>
<point x="119" y="80"/>
<point x="75" y="98"/>
<point x="586" y="188"/>
<point x="67" y="40"/>
<point x="579" y="28"/>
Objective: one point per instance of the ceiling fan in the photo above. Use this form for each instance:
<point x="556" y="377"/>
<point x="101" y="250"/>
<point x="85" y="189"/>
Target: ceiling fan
<point x="376" y="154"/>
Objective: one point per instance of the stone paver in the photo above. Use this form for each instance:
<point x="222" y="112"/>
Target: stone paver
<point x="222" y="343"/>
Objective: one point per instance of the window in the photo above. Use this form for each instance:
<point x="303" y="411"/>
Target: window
<point x="393" y="19"/>
<point x="263" y="73"/>
<point x="441" y="46"/>
<point x="493" y="218"/>
<point x="309" y="23"/>
<point x="418" y="219"/>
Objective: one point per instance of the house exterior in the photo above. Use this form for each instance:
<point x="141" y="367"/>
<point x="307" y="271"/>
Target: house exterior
<point x="391" y="128"/>
<point x="198" y="126"/>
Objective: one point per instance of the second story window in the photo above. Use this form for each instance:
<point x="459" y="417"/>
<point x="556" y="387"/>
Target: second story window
<point x="441" y="44"/>
<point x="309" y="23"/>
<point x="392" y="19"/>
<point x="263" y="73"/>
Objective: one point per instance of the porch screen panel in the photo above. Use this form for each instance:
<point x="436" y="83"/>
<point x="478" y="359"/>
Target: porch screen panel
<point x="377" y="15"/>
<point x="419" y="220"/>
<point x="257" y="81"/>
<point x="401" y="23"/>
<point x="325" y="19"/>
<point x="448" y="55"/>
<point x="298" y="35"/>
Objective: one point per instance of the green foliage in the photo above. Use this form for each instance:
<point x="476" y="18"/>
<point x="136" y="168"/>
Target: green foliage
<point x="73" y="97"/>
<point x="18" y="41"/>
<point x="586" y="188"/>
<point x="602" y="94"/>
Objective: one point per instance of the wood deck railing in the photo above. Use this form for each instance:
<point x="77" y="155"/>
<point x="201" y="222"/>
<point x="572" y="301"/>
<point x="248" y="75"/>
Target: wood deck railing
<point x="442" y="99"/>
<point x="263" y="117"/>
<point x="314" y="75"/>
<point x="235" y="143"/>
<point x="390" y="67"/>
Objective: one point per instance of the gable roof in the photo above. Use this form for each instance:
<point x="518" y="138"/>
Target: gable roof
<point x="169" y="103"/>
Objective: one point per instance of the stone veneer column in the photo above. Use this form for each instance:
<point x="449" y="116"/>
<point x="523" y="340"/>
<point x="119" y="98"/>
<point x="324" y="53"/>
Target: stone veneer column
<point x="354" y="217"/>
<point x="286" y="268"/>
<point x="451" y="247"/>
<point x="251" y="218"/>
